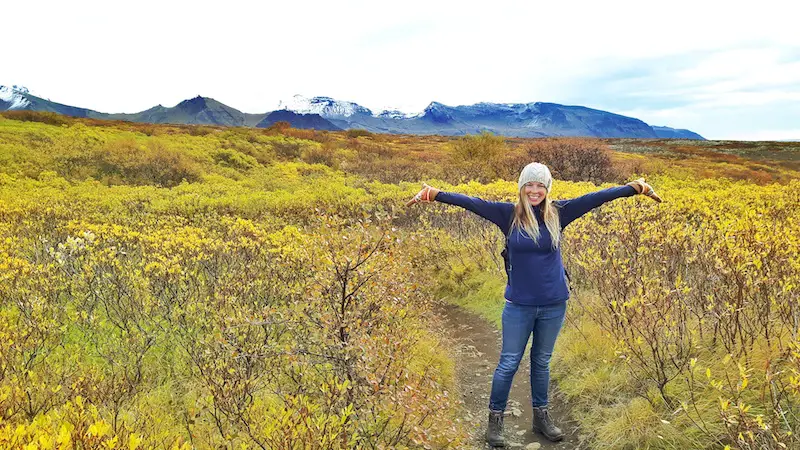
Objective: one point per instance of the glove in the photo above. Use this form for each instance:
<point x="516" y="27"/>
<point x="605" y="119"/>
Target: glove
<point x="645" y="189"/>
<point x="427" y="195"/>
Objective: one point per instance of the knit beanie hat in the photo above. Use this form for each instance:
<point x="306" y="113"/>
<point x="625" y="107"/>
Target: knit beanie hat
<point x="536" y="172"/>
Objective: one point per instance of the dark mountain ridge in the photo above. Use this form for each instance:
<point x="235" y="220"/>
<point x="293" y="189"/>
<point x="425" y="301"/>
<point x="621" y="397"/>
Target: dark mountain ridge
<point x="308" y="121"/>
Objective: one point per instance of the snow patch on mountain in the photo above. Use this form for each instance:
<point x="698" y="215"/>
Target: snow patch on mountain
<point x="15" y="95"/>
<point x="324" y="106"/>
<point x="331" y="108"/>
<point x="397" y="114"/>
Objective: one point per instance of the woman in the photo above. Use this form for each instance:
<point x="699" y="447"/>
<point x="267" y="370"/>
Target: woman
<point x="536" y="292"/>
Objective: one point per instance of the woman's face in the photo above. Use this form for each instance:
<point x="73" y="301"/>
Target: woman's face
<point x="535" y="192"/>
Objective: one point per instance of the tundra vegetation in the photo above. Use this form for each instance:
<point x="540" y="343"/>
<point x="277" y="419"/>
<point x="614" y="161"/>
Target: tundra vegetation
<point x="189" y="286"/>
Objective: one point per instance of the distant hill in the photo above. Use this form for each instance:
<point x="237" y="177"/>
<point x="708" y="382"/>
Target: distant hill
<point x="198" y="110"/>
<point x="674" y="133"/>
<point x="324" y="113"/>
<point x="535" y="119"/>
<point x="297" y="120"/>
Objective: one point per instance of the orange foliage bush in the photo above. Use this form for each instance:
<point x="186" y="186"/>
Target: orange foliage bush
<point x="324" y="154"/>
<point x="357" y="132"/>
<point x="574" y="159"/>
<point x="32" y="116"/>
<point x="280" y="126"/>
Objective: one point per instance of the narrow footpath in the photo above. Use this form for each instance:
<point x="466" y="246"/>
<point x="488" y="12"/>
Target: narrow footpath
<point x="476" y="347"/>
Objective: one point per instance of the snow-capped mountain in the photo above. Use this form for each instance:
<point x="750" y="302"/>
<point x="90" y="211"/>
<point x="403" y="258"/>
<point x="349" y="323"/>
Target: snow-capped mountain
<point x="14" y="97"/>
<point x="324" y="106"/>
<point x="338" y="109"/>
<point x="18" y="97"/>
<point x="508" y="119"/>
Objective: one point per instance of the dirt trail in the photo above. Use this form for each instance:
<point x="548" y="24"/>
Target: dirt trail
<point x="477" y="350"/>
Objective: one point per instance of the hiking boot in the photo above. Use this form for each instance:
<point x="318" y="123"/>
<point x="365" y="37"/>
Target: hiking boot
<point x="543" y="423"/>
<point x="494" y="432"/>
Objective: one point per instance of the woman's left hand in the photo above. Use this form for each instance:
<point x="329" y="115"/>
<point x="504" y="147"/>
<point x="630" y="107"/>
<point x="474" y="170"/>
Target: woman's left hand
<point x="427" y="195"/>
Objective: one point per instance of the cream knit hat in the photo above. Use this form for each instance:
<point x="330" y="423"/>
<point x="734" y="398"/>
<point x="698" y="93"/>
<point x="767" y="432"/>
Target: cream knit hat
<point x="536" y="172"/>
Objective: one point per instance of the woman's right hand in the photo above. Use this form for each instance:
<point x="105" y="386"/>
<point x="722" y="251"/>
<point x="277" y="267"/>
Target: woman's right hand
<point x="645" y="189"/>
<point x="427" y="195"/>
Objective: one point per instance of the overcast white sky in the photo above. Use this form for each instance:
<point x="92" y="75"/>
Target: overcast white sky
<point x="725" y="69"/>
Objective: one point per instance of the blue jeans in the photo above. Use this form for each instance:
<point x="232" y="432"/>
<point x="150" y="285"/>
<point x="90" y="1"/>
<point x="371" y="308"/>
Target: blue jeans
<point x="519" y="321"/>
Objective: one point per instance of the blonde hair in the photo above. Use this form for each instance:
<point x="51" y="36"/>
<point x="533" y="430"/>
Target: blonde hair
<point x="525" y="219"/>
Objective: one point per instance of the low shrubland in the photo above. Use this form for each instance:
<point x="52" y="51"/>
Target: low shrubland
<point x="183" y="286"/>
<point x="185" y="317"/>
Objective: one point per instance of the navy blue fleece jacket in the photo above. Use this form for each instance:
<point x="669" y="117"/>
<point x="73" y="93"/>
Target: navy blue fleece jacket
<point x="536" y="274"/>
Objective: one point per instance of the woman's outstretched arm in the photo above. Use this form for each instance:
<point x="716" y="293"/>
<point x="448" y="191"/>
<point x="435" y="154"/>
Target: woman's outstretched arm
<point x="498" y="213"/>
<point x="577" y="207"/>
